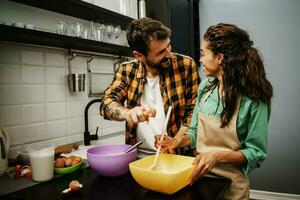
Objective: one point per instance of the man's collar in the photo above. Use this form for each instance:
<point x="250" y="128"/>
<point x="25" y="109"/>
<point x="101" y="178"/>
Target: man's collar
<point x="141" y="70"/>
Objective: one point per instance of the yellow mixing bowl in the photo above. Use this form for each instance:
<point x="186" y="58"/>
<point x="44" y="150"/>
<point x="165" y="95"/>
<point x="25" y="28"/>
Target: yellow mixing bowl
<point x="170" y="174"/>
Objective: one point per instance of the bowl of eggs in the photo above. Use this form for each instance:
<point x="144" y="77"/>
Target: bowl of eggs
<point x="66" y="165"/>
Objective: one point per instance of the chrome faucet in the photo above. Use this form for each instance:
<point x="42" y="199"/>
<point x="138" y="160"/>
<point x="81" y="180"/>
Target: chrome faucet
<point x="87" y="136"/>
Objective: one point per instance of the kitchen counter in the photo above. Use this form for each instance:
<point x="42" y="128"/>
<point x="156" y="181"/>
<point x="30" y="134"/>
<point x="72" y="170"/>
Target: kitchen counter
<point x="123" y="187"/>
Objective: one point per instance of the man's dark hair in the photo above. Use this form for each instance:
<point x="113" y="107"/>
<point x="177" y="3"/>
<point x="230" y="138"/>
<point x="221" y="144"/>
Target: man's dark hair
<point x="141" y="32"/>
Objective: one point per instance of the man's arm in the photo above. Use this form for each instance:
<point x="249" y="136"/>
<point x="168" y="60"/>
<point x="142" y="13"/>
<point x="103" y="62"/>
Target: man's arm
<point x="115" y="111"/>
<point x="112" y="105"/>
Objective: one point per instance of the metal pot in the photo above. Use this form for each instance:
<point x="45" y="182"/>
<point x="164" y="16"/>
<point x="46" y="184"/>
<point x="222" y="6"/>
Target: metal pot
<point x="76" y="82"/>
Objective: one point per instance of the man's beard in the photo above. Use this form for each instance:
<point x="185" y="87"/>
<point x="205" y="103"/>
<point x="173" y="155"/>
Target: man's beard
<point x="161" y="66"/>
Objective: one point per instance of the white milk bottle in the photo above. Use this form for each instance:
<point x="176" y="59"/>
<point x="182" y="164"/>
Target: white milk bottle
<point x="42" y="162"/>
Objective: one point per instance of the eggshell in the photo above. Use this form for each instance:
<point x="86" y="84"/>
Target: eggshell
<point x="153" y="112"/>
<point x="75" y="185"/>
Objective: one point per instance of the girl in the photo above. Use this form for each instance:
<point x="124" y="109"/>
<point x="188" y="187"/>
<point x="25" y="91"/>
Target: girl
<point x="230" y="120"/>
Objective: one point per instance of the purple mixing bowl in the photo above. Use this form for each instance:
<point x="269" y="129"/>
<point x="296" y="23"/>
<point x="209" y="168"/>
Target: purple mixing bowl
<point x="110" y="160"/>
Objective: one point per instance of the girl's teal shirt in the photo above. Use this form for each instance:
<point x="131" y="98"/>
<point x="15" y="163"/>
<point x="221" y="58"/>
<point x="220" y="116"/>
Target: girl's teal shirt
<point x="252" y="125"/>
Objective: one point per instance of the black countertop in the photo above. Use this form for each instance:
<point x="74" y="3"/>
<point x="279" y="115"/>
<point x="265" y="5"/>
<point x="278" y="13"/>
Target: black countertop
<point x="113" y="188"/>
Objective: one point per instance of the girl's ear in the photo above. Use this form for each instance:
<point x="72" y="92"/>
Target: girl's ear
<point x="139" y="56"/>
<point x="220" y="58"/>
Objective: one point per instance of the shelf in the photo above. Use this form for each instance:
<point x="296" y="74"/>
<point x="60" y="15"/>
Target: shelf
<point x="80" y="9"/>
<point x="27" y="36"/>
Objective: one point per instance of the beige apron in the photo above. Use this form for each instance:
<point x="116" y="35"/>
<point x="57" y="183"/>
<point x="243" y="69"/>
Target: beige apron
<point x="210" y="137"/>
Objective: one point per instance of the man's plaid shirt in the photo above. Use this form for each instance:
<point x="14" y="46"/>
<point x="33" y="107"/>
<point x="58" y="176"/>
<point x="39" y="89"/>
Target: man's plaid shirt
<point x="178" y="86"/>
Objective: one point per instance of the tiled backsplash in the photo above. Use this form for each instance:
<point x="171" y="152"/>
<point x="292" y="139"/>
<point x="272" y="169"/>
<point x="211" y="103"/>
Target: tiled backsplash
<point x="35" y="103"/>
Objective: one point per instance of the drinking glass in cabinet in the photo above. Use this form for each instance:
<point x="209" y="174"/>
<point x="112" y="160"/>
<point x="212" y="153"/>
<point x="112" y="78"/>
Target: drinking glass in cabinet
<point x="109" y="31"/>
<point x="61" y="27"/>
<point x="76" y="29"/>
<point x="85" y="33"/>
<point x="100" y="32"/>
<point x="117" y="31"/>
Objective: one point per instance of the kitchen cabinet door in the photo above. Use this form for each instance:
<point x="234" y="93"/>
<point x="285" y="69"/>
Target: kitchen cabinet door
<point x="182" y="16"/>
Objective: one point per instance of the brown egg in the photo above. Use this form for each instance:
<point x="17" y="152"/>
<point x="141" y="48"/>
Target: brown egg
<point x="59" y="163"/>
<point x="68" y="162"/>
<point x="75" y="161"/>
<point x="153" y="112"/>
<point x="77" y="158"/>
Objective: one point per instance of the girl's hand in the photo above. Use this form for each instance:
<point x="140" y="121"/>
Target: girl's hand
<point x="205" y="162"/>
<point x="168" y="144"/>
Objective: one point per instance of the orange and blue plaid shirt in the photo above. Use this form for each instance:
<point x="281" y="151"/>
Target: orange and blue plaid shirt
<point x="178" y="86"/>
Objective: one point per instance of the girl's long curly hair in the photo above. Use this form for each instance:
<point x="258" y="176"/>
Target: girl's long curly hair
<point x="244" y="72"/>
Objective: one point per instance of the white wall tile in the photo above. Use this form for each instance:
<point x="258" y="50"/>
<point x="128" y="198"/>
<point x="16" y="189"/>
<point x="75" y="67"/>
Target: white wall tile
<point x="57" y="129"/>
<point x="94" y="108"/>
<point x="76" y="96"/>
<point x="94" y="122"/>
<point x="32" y="57"/>
<point x="118" y="139"/>
<point x="55" y="59"/>
<point x="110" y="127"/>
<point x="94" y="64"/>
<point x="32" y="74"/>
<point x="10" y="94"/>
<point x="34" y="132"/>
<point x="9" y="73"/>
<point x="33" y="113"/>
<point x="76" y="108"/>
<point x="101" y="82"/>
<point x="55" y="93"/>
<point x="112" y="123"/>
<point x="76" y="125"/>
<point x="106" y="65"/>
<point x="55" y="75"/>
<point x="10" y="115"/>
<point x="9" y="53"/>
<point x="78" y="62"/>
<point x="112" y="130"/>
<point x="59" y="141"/>
<point x="102" y="65"/>
<point x="76" y="138"/>
<point x="32" y="93"/>
<point x="15" y="134"/>
<point x="55" y="111"/>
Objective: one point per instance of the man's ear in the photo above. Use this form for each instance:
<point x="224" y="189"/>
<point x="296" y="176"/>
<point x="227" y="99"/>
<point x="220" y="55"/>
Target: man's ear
<point x="139" y="56"/>
<point x="220" y="58"/>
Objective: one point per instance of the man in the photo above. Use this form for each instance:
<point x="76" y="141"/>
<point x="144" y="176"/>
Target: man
<point x="156" y="78"/>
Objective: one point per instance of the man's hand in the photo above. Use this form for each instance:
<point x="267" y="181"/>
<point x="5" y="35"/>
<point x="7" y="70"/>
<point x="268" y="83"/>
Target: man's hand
<point x="139" y="114"/>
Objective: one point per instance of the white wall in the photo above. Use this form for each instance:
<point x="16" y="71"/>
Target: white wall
<point x="35" y="103"/>
<point x="274" y="27"/>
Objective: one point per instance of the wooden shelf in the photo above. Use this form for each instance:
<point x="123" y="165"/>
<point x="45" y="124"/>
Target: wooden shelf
<point x="80" y="9"/>
<point x="27" y="36"/>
